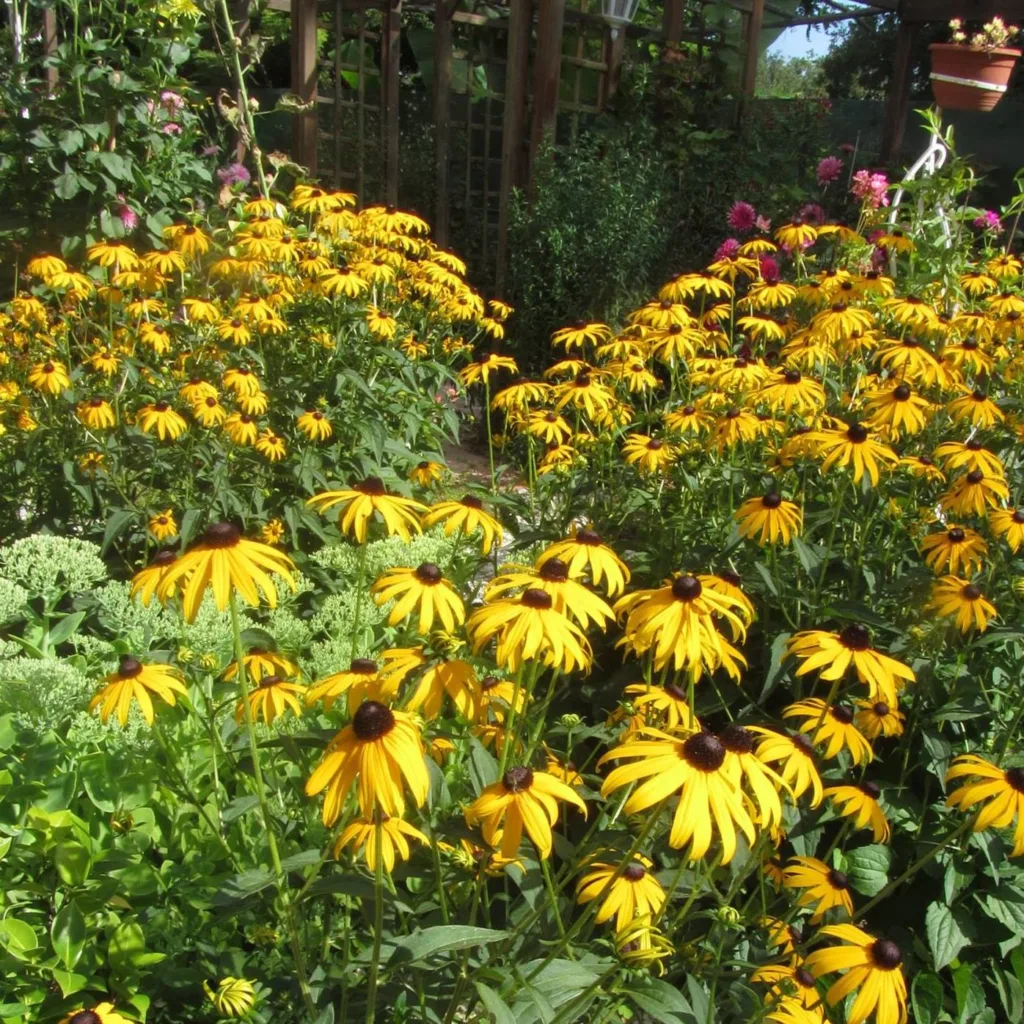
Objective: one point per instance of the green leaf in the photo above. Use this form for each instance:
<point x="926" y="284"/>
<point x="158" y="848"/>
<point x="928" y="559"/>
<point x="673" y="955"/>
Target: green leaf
<point x="65" y="628"/>
<point x="67" y="933"/>
<point x="72" y="861"/>
<point x="970" y="995"/>
<point x="1006" y="905"/>
<point x="127" y="945"/>
<point x="66" y="185"/>
<point x="771" y="679"/>
<point x="494" y="1005"/>
<point x="483" y="767"/>
<point x="926" y="998"/>
<point x="111" y="787"/>
<point x="71" y="141"/>
<point x="661" y="1000"/>
<point x="115" y="165"/>
<point x="867" y="869"/>
<point x="69" y="982"/>
<point x="444" y="938"/>
<point x="17" y="937"/>
<point x="945" y="937"/>
<point x="115" y="527"/>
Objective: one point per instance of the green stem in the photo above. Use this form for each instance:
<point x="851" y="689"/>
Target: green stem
<point x="490" y="437"/>
<point x="553" y="899"/>
<point x="360" y="584"/>
<point x="378" y="925"/>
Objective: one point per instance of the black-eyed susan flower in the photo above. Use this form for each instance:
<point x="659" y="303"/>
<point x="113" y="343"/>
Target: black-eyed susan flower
<point x="497" y="696"/>
<point x="853" y="447"/>
<point x="570" y="597"/>
<point x="895" y="411"/>
<point x="586" y="393"/>
<point x="315" y="425"/>
<point x="271" y="697"/>
<point x="113" y="254"/>
<point x="521" y="799"/>
<point x="743" y="764"/>
<point x="487" y="366"/>
<point x="189" y="240"/>
<point x="466" y="516"/>
<point x="227" y="563"/>
<point x="977" y="408"/>
<point x="876" y="718"/>
<point x="782" y="935"/>
<point x="422" y="590"/>
<point x="675" y="343"/>
<point x="969" y="455"/>
<point x="641" y="944"/>
<point x="241" y="380"/>
<point x="977" y="283"/>
<point x="454" y="677"/>
<point x="791" y="391"/>
<point x="565" y="772"/>
<point x="797" y="234"/>
<point x="649" y="454"/>
<point x="160" y="417"/>
<point x="954" y="548"/>
<point x="860" y="804"/>
<point x="272" y="531"/>
<point x="146" y="580"/>
<point x="134" y="681"/>
<point x="709" y="797"/>
<point x="668" y="703"/>
<point x="383" y="750"/>
<point x="393" y="835"/>
<point x="796" y="756"/>
<point x="427" y="472"/>
<point x="769" y="519"/>
<point x="361" y="681"/>
<point x="242" y="429"/>
<point x="872" y="971"/>
<point x="360" y="502"/>
<point x="96" y="413"/>
<point x="823" y="887"/>
<point x="50" y="378"/>
<point x="974" y="493"/>
<point x="1001" y="790"/>
<point x="1008" y="524"/>
<point x="233" y="997"/>
<point x="271" y="446"/>
<point x="789" y="981"/>
<point x="832" y="654"/>
<point x="676" y="623"/>
<point x="585" y="551"/>
<point x="162" y="525"/>
<point x="209" y="412"/>
<point x="260" y="663"/>
<point x="201" y="310"/>
<point x="196" y="389"/>
<point x="580" y="334"/>
<point x="98" y="1013"/>
<point x="841" y="321"/>
<point x="953" y="597"/>
<point x="529" y="627"/>
<point x="833" y="727"/>
<point x="549" y="427"/>
<point x="689" y="419"/>
<point x="629" y="893"/>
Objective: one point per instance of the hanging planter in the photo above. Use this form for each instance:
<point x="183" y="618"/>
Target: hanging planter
<point x="970" y="77"/>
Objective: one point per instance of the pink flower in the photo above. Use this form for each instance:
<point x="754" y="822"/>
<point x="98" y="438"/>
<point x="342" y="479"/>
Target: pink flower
<point x="988" y="221"/>
<point x="763" y="224"/>
<point x="829" y="170"/>
<point x="871" y="189"/>
<point x="813" y="214"/>
<point x="847" y="147"/>
<point x="233" y="174"/>
<point x="171" y="101"/>
<point x="171" y="128"/>
<point x="727" y="250"/>
<point x="125" y="214"/>
<point x="742" y="217"/>
<point x="879" y="257"/>
<point x="769" y="270"/>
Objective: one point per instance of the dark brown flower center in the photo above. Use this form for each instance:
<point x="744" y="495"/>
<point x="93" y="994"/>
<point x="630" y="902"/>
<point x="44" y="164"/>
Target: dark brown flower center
<point x="555" y="570"/>
<point x="855" y="637"/>
<point x="793" y="377"/>
<point x="1015" y="778"/>
<point x="221" y="535"/>
<point x="675" y="692"/>
<point x="886" y="954"/>
<point x="515" y="780"/>
<point x="857" y="433"/>
<point x="429" y="574"/>
<point x="161" y="407"/>
<point x="804" y="743"/>
<point x="267" y="681"/>
<point x="95" y="402"/>
<point x="955" y="535"/>
<point x="971" y="592"/>
<point x="689" y="410"/>
<point x="129" y="668"/>
<point x="772" y="500"/>
<point x="85" y="1017"/>
<point x="589" y="537"/>
<point x="901" y="392"/>
<point x="925" y="461"/>
<point x="536" y="598"/>
<point x="881" y="709"/>
<point x="736" y="739"/>
<point x="489" y="683"/>
<point x="653" y="445"/>
<point x="686" y="588"/>
<point x="472" y="501"/>
<point x="163" y="558"/>
<point x="871" y="789"/>
<point x="803" y="977"/>
<point x="978" y="395"/>
<point x="1018" y="515"/>
<point x="975" y="476"/>
<point x="211" y="403"/>
<point x="634" y="872"/>
<point x="837" y="879"/>
<point x="363" y="666"/>
<point x="372" y="721"/>
<point x="373" y="486"/>
<point x="842" y="714"/>
<point x="704" y="752"/>
<point x="730" y="577"/>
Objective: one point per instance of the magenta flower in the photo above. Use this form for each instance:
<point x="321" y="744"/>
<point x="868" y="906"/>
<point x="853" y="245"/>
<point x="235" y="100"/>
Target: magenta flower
<point x="988" y="221"/>
<point x="871" y="188"/>
<point x="813" y="214"/>
<point x="234" y="174"/>
<point x="769" y="270"/>
<point x="171" y="128"/>
<point x="829" y="170"/>
<point x="727" y="250"/>
<point x="742" y="217"/>
<point x="171" y="101"/>
<point x="125" y="214"/>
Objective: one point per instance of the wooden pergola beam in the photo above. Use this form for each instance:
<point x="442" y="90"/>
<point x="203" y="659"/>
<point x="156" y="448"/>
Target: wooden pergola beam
<point x="897" y="103"/>
<point x="391" y="53"/>
<point x="442" y="102"/>
<point x="304" y="60"/>
<point x="547" y="72"/>
<point x="755" y="22"/>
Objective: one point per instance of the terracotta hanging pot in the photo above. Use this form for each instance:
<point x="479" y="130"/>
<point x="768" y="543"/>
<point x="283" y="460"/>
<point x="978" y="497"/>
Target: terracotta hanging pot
<point x="969" y="77"/>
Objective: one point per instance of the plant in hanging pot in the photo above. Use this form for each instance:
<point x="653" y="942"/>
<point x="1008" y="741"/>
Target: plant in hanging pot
<point x="972" y="73"/>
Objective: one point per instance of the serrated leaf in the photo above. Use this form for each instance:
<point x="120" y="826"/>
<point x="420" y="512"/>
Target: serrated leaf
<point x="926" y="998"/>
<point x="1006" y="905"/>
<point x="945" y="938"/>
<point x="867" y="869"/>
<point x="444" y="938"/>
<point x="661" y="1000"/>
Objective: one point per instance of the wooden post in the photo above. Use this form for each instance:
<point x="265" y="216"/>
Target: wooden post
<point x="240" y="21"/>
<point x="442" y="114"/>
<point x="50" y="46"/>
<point x="517" y="67"/>
<point x="898" y="100"/>
<point x="672" y="23"/>
<point x="754" y="22"/>
<point x="614" y="50"/>
<point x="304" y="57"/>
<point x="547" y="71"/>
<point x="391" y="52"/>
